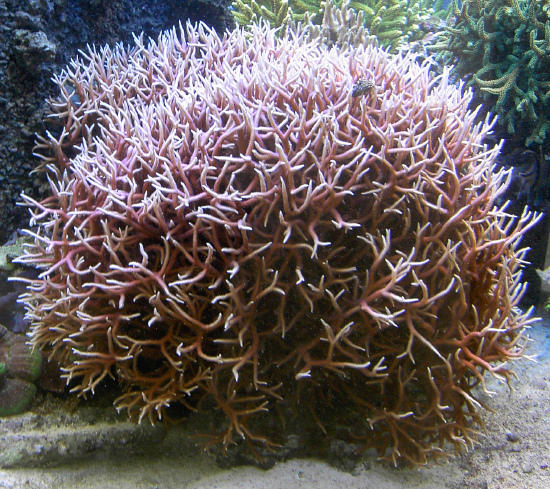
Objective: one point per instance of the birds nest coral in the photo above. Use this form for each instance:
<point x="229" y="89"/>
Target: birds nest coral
<point x="229" y="223"/>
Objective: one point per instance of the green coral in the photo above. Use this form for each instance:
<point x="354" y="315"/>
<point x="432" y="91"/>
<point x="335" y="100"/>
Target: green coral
<point x="502" y="47"/>
<point x="394" y="22"/>
<point x="276" y="12"/>
<point x="340" y="28"/>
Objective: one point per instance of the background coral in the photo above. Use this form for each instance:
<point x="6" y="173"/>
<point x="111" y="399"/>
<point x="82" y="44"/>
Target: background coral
<point x="230" y="226"/>
<point x="393" y="22"/>
<point x="276" y="12"/>
<point x="502" y="48"/>
<point x="340" y="27"/>
<point x="19" y="367"/>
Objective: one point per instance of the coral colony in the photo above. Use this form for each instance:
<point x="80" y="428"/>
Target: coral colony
<point x="230" y="226"/>
<point x="393" y="22"/>
<point x="502" y="48"/>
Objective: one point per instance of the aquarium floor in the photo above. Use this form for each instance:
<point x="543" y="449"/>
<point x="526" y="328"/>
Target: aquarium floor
<point x="515" y="454"/>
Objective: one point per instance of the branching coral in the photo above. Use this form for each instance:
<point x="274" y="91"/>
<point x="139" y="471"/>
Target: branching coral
<point x="276" y="12"/>
<point x="229" y="224"/>
<point x="394" y="22"/>
<point x="503" y="46"/>
<point x="340" y="27"/>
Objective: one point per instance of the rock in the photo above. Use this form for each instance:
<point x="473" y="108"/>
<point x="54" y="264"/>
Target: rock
<point x="27" y="21"/>
<point x="32" y="440"/>
<point x="19" y="368"/>
<point x="33" y="49"/>
<point x="512" y="437"/>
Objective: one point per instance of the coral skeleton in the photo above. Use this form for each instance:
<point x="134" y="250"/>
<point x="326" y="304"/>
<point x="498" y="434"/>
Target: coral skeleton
<point x="228" y="225"/>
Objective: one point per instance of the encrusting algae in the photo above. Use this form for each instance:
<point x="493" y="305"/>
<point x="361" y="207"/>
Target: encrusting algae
<point x="19" y="368"/>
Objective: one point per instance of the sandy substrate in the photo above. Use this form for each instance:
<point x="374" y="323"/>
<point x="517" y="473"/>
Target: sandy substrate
<point x="516" y="453"/>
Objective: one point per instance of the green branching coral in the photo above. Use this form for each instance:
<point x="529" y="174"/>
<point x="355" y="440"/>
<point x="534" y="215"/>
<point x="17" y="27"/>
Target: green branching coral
<point x="502" y="47"/>
<point x="394" y="22"/>
<point x="341" y="27"/>
<point x="276" y="12"/>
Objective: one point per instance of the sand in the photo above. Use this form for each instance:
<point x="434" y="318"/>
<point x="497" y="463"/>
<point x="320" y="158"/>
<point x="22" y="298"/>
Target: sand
<point x="84" y="452"/>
